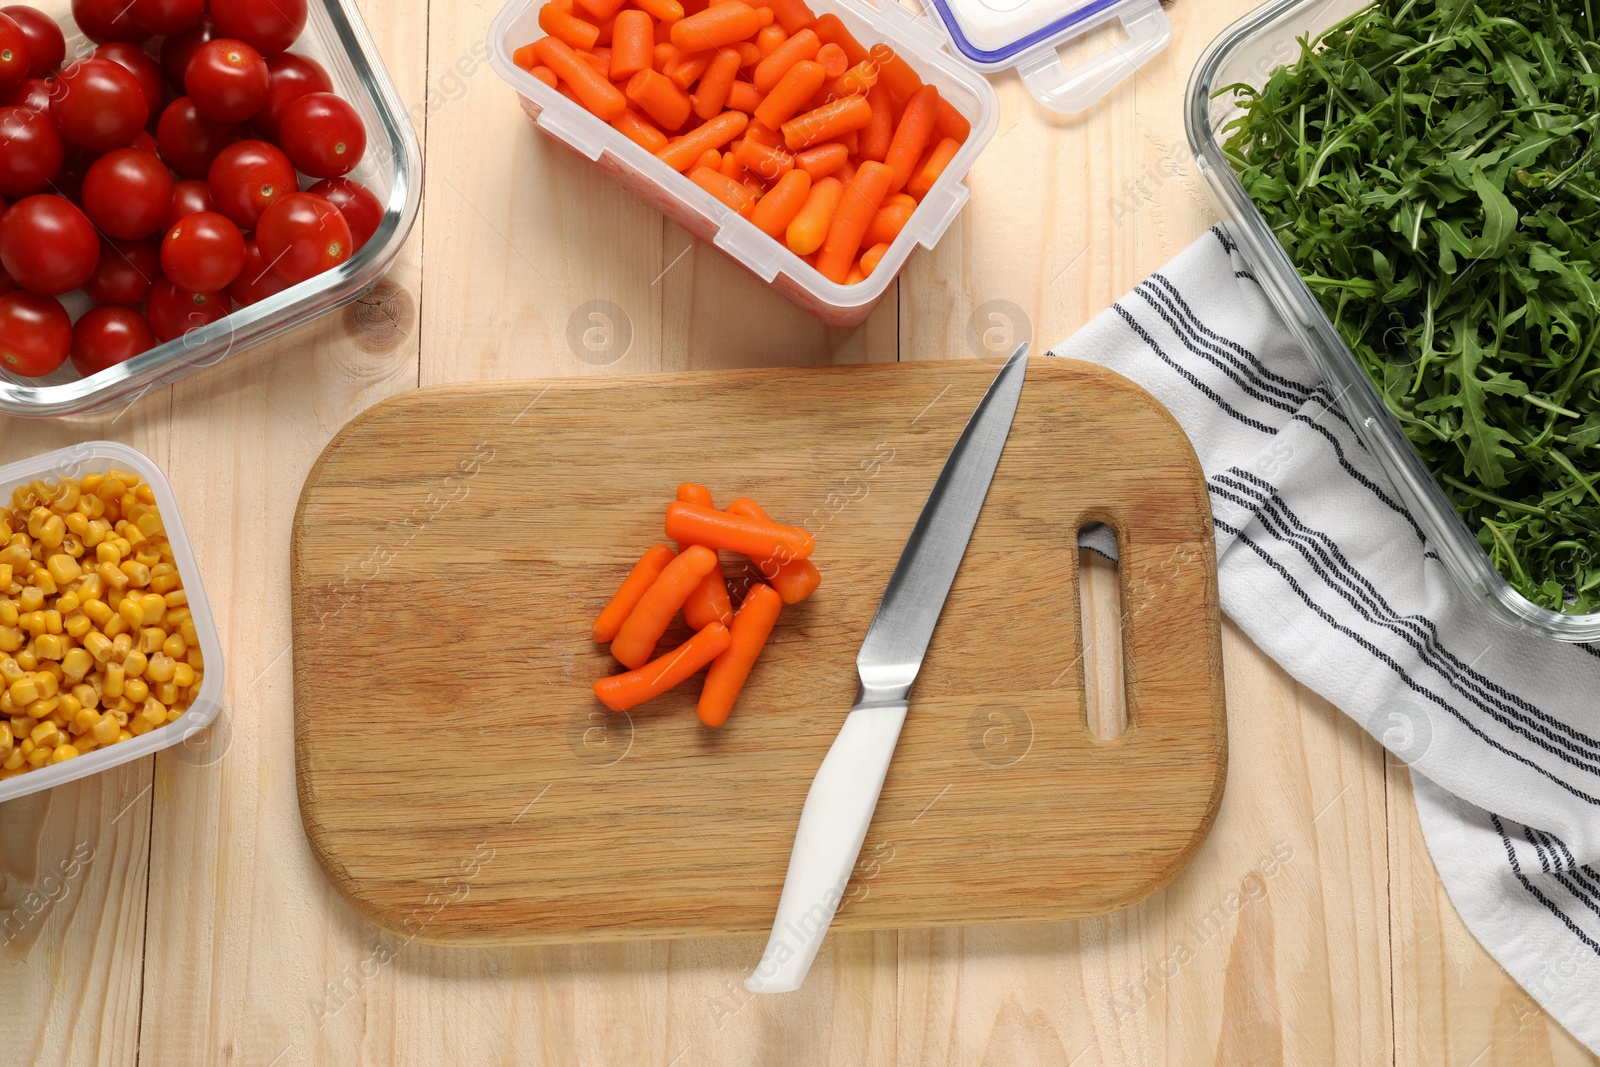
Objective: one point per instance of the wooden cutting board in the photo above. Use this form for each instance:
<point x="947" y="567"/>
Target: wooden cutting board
<point x="459" y="782"/>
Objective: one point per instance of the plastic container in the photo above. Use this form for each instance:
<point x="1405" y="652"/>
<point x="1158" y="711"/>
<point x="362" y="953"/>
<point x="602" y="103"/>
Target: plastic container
<point x="1247" y="52"/>
<point x="392" y="169"/>
<point x="89" y="458"/>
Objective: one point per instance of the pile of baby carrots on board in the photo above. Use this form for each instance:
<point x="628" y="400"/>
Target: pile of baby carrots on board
<point x="781" y="114"/>
<point x="690" y="580"/>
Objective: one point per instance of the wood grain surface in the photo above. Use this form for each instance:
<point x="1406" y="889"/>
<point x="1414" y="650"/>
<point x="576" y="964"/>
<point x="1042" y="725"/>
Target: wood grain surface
<point x="203" y="931"/>
<point x="483" y="527"/>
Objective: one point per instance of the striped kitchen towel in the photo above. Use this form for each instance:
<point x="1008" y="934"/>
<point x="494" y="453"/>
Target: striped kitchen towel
<point x="1320" y="563"/>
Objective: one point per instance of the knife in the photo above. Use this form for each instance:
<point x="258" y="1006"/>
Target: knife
<point x="839" y="805"/>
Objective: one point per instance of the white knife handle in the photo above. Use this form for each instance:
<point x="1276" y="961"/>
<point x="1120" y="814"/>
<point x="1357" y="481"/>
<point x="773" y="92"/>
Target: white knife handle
<point x="833" y="824"/>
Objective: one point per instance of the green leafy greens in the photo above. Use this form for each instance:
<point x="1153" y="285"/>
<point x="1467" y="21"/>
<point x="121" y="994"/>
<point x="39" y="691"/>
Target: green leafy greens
<point x="1431" y="168"/>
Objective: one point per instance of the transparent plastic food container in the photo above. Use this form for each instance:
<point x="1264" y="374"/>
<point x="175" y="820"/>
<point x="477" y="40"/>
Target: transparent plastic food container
<point x="93" y="457"/>
<point x="1248" y="52"/>
<point x="392" y="168"/>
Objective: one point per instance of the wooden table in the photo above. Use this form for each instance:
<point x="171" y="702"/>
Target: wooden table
<point x="1310" y="929"/>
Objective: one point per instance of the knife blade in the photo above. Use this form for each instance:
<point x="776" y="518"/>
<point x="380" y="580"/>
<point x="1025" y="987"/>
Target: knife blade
<point x="839" y="806"/>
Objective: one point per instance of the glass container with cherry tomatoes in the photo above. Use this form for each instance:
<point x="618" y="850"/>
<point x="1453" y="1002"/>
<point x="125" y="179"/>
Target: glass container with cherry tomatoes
<point x="181" y="179"/>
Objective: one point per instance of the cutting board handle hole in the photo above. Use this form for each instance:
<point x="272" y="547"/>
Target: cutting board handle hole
<point x="1105" y="691"/>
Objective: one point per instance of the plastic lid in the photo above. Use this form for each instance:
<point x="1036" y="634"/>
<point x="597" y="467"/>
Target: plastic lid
<point x="1025" y="34"/>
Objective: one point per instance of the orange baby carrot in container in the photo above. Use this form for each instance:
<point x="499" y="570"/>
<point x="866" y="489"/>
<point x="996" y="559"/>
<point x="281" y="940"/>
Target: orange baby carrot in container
<point x="764" y="161"/>
<point x="730" y="167"/>
<point x="823" y="160"/>
<point x="567" y="27"/>
<point x="778" y="208"/>
<point x="793" y="91"/>
<point x="874" y="138"/>
<point x="895" y="73"/>
<point x="525" y="57"/>
<point x="794" y="579"/>
<point x="850" y="221"/>
<point x="665" y="57"/>
<point x="718" y="25"/>
<point x="832" y="30"/>
<point x="632" y="44"/>
<point x="695" y="524"/>
<point x="544" y="74"/>
<point x="653" y="93"/>
<point x="952" y="123"/>
<point x="748" y="635"/>
<point x="762" y="135"/>
<point x="770" y="70"/>
<point x="643" y="627"/>
<point x="858" y="79"/>
<point x="600" y="60"/>
<point x="623" y="691"/>
<point x="826" y="122"/>
<point x="634" y="586"/>
<point x="661" y="10"/>
<point x="712" y="92"/>
<point x="792" y="15"/>
<point x="809" y="228"/>
<point x="600" y="10"/>
<point x="742" y="96"/>
<point x="724" y="188"/>
<point x="932" y="167"/>
<point x="911" y="136"/>
<point x="681" y="154"/>
<point x="689" y="69"/>
<point x="639" y="131"/>
<point x="711" y="159"/>
<point x="591" y="89"/>
<point x="768" y="39"/>
<point x="890" y="218"/>
<point x="872" y="257"/>
<point x="833" y="60"/>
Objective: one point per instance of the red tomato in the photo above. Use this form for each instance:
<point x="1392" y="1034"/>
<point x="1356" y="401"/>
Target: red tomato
<point x="173" y="312"/>
<point x="125" y="272"/>
<point x="138" y="63"/>
<point x="303" y="235"/>
<point x="177" y="51"/>
<point x="106" y="336"/>
<point x="227" y="80"/>
<point x="167" y="18"/>
<point x="107" y="20"/>
<point x="127" y="193"/>
<point x="322" y="135"/>
<point x="293" y="76"/>
<point x="246" y="177"/>
<point x="33" y="151"/>
<point x="257" y="281"/>
<point x="360" y="208"/>
<point x="269" y="25"/>
<point x="47" y="47"/>
<point x="15" y="62"/>
<point x="189" y="141"/>
<point x="33" y="94"/>
<point x="188" y="197"/>
<point x="47" y="245"/>
<point x="35" y="333"/>
<point x="98" y="105"/>
<point x="203" y="254"/>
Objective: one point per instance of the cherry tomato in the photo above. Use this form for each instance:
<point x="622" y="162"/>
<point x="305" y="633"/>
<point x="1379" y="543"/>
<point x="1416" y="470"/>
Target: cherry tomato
<point x="15" y="62"/>
<point x="246" y="177"/>
<point x="188" y="196"/>
<point x="125" y="272"/>
<point x="203" y="254"/>
<point x="360" y="208"/>
<point x="105" y="336"/>
<point x="47" y="46"/>
<point x="303" y="235"/>
<point x="257" y="281"/>
<point x="35" y="333"/>
<point x="172" y="312"/>
<point x="98" y="105"/>
<point x="177" y="51"/>
<point x="138" y="63"/>
<point x="293" y="76"/>
<point x="47" y="245"/>
<point x="33" y="94"/>
<point x="167" y="18"/>
<point x="322" y="135"/>
<point x="228" y="80"/>
<point x="268" y="25"/>
<point x="33" y="152"/>
<point x="107" y="20"/>
<point x="189" y="141"/>
<point x="126" y="193"/>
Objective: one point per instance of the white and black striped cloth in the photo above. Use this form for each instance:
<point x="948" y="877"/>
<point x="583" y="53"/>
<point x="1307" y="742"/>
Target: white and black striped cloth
<point x="1328" y="573"/>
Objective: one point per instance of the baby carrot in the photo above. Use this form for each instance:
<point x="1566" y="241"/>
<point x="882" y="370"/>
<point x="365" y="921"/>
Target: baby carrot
<point x="718" y="25"/>
<point x="654" y="94"/>
<point x="712" y="92"/>
<point x="827" y="122"/>
<point x="895" y="72"/>
<point x="765" y="162"/>
<point x="792" y="15"/>
<point x="601" y="9"/>
<point x="568" y="28"/>
<point x="632" y="44"/>
<point x="850" y="221"/>
<point x="544" y="74"/>
<point x="794" y="579"/>
<point x="623" y="691"/>
<point x="694" y="524"/>
<point x="681" y="154"/>
<point x="832" y="31"/>
<point x="793" y="91"/>
<point x="833" y="60"/>
<point x="770" y="70"/>
<point x="653" y="613"/>
<point x="709" y="602"/>
<point x="665" y="57"/>
<point x="846" y="174"/>
<point x="809" y="228"/>
<point x="711" y="159"/>
<point x="639" y="131"/>
<point x="778" y="208"/>
<point x="665" y="11"/>
<point x="748" y="635"/>
<point x="763" y="135"/>
<point x="591" y="89"/>
<point x="526" y="58"/>
<point x="929" y="171"/>
<point x="689" y="69"/>
<point x="724" y="188"/>
<point x="871" y="258"/>
<point x="858" y="79"/>
<point x="770" y="38"/>
<point x="731" y="168"/>
<point x="600" y="60"/>
<point x="890" y="218"/>
<point x="856" y="275"/>
<point x="951" y="123"/>
<point x="876" y="135"/>
<point x="742" y="96"/>
<point x="823" y="160"/>
<point x="911" y="136"/>
<point x="640" y="579"/>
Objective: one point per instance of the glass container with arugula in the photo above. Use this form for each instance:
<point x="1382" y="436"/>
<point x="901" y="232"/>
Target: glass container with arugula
<point x="1418" y="183"/>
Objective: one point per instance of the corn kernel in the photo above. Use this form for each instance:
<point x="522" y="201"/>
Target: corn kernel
<point x="15" y="760"/>
<point x="155" y="608"/>
<point x="68" y="602"/>
<point x="63" y="752"/>
<point x="77" y="625"/>
<point x="113" y="577"/>
<point x="105" y="730"/>
<point x="116" y="626"/>
<point x="64" y="569"/>
<point x="121" y="645"/>
<point x="10" y="671"/>
<point x="138" y="574"/>
<point x="86" y="694"/>
<point x="175" y="646"/>
<point x="76" y="663"/>
<point x="131" y="611"/>
<point x="53" y="531"/>
<point x="114" y="681"/>
<point x="154" y="711"/>
<point x="52" y="622"/>
<point x="151" y="638"/>
<point x="78" y="523"/>
<point x="167" y="693"/>
<point x="111" y="487"/>
<point x="160" y="669"/>
<point x="196" y="660"/>
<point x="46" y="684"/>
<point x="85" y="719"/>
<point x="27" y="660"/>
<point x="6" y="740"/>
<point x="134" y="664"/>
<point x="23" y="692"/>
<point x="38" y="757"/>
<point x="136" y="690"/>
<point x="9" y="613"/>
<point x="11" y="639"/>
<point x="46" y="735"/>
<point x="182" y="676"/>
<point x="48" y="646"/>
<point x="98" y="646"/>
<point x="32" y="598"/>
